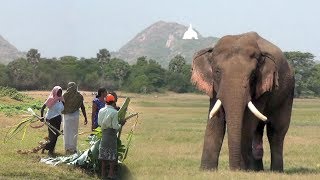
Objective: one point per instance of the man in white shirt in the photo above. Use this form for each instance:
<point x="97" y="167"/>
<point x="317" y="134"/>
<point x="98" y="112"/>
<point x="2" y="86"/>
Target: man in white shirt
<point x="108" y="120"/>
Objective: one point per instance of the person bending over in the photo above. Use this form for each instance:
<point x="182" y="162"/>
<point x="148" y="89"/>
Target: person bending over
<point x="55" y="104"/>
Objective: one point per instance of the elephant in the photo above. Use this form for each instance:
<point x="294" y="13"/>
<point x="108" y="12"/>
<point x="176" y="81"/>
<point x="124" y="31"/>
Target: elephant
<point x="251" y="85"/>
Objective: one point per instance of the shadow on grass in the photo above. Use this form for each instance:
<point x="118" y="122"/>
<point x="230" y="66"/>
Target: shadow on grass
<point x="124" y="172"/>
<point x="302" y="170"/>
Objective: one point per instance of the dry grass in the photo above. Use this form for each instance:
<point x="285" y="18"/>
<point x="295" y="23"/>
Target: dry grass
<point x="168" y="143"/>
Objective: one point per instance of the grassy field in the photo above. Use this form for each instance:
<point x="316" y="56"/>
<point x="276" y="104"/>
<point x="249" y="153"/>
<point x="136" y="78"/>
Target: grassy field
<point x="168" y="143"/>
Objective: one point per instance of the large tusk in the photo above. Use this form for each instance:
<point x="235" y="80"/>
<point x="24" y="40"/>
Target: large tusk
<point x="256" y="112"/>
<point x="215" y="108"/>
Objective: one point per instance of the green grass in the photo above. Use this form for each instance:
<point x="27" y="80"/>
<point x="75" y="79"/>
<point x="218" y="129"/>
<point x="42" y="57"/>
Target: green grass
<point x="168" y="144"/>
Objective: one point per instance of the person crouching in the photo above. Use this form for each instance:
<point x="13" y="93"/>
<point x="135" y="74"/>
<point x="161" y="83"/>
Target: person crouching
<point x="108" y="120"/>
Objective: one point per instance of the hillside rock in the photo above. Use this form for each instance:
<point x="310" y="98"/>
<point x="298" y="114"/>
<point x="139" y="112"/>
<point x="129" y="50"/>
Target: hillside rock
<point x="162" y="41"/>
<point x="8" y="52"/>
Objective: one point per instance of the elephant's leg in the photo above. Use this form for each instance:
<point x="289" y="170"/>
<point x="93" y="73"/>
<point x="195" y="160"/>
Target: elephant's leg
<point x="276" y="131"/>
<point x="249" y="126"/>
<point x="213" y="139"/>
<point x="257" y="147"/>
<point x="276" y="148"/>
<point x="252" y="134"/>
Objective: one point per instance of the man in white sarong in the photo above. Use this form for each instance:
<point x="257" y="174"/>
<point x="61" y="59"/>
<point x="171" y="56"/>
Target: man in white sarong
<point x="73" y="101"/>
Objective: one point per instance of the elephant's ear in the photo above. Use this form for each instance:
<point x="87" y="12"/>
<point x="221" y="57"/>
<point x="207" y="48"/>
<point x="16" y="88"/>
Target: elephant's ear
<point x="267" y="77"/>
<point x="202" y="75"/>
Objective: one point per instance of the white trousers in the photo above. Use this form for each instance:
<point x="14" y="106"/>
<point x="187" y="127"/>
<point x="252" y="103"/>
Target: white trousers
<point x="70" y="131"/>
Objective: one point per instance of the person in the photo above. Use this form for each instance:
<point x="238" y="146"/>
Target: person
<point x="114" y="94"/>
<point x="97" y="104"/>
<point x="108" y="120"/>
<point x="73" y="101"/>
<point x="55" y="104"/>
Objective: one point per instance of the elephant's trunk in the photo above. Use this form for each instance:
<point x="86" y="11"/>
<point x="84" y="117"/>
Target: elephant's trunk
<point x="234" y="101"/>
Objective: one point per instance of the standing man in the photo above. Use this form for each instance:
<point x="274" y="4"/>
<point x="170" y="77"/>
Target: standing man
<point x="108" y="120"/>
<point x="73" y="101"/>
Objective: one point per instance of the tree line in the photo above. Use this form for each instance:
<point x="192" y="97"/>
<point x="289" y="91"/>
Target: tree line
<point x="145" y="76"/>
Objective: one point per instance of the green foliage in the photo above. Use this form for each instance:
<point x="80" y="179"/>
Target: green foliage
<point x="176" y="64"/>
<point x="21" y="74"/>
<point x="179" y="75"/>
<point x="33" y="57"/>
<point x="306" y="74"/>
<point x="12" y="93"/>
<point x="145" y="76"/>
<point x="116" y="71"/>
<point x="103" y="56"/>
<point x="4" y="78"/>
<point x="178" y="83"/>
<point x="313" y="83"/>
<point x="25" y="102"/>
<point x="10" y="110"/>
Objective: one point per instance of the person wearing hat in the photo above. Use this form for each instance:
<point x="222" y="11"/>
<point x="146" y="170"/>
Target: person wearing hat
<point x="108" y="120"/>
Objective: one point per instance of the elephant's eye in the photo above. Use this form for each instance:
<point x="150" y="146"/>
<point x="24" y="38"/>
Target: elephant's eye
<point x="217" y="72"/>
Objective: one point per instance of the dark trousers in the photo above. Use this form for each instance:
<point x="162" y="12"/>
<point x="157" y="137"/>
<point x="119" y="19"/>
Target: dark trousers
<point x="55" y="122"/>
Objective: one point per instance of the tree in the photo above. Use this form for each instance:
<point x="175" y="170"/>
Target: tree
<point x="21" y="74"/>
<point x="68" y="68"/>
<point x="142" y="61"/>
<point x="4" y="79"/>
<point x="103" y="57"/>
<point x="148" y="74"/>
<point x="156" y="75"/>
<point x="302" y="63"/>
<point x="179" y="75"/>
<point x="33" y="57"/>
<point x="140" y="84"/>
<point x="90" y="81"/>
<point x="176" y="64"/>
<point x="180" y="82"/>
<point x="313" y="82"/>
<point x="117" y="70"/>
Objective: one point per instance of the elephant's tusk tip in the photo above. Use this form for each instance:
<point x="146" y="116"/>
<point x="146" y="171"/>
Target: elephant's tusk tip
<point x="215" y="108"/>
<point x="264" y="118"/>
<point x="256" y="112"/>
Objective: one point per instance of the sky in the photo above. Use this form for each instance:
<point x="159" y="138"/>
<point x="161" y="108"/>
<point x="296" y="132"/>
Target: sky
<point x="81" y="27"/>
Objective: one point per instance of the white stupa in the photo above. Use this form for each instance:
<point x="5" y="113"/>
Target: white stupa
<point x="190" y="34"/>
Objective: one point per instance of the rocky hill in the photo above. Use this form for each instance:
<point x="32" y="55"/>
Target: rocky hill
<point x="162" y="41"/>
<point x="8" y="52"/>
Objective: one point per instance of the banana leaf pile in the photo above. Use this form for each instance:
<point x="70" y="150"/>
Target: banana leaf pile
<point x="88" y="159"/>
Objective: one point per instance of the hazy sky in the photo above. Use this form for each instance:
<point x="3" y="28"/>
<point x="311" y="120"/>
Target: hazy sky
<point x="82" y="27"/>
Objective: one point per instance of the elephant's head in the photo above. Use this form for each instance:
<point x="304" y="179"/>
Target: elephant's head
<point x="236" y="71"/>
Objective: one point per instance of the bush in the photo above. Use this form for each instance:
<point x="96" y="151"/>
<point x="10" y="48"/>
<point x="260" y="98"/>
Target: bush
<point x="12" y="93"/>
